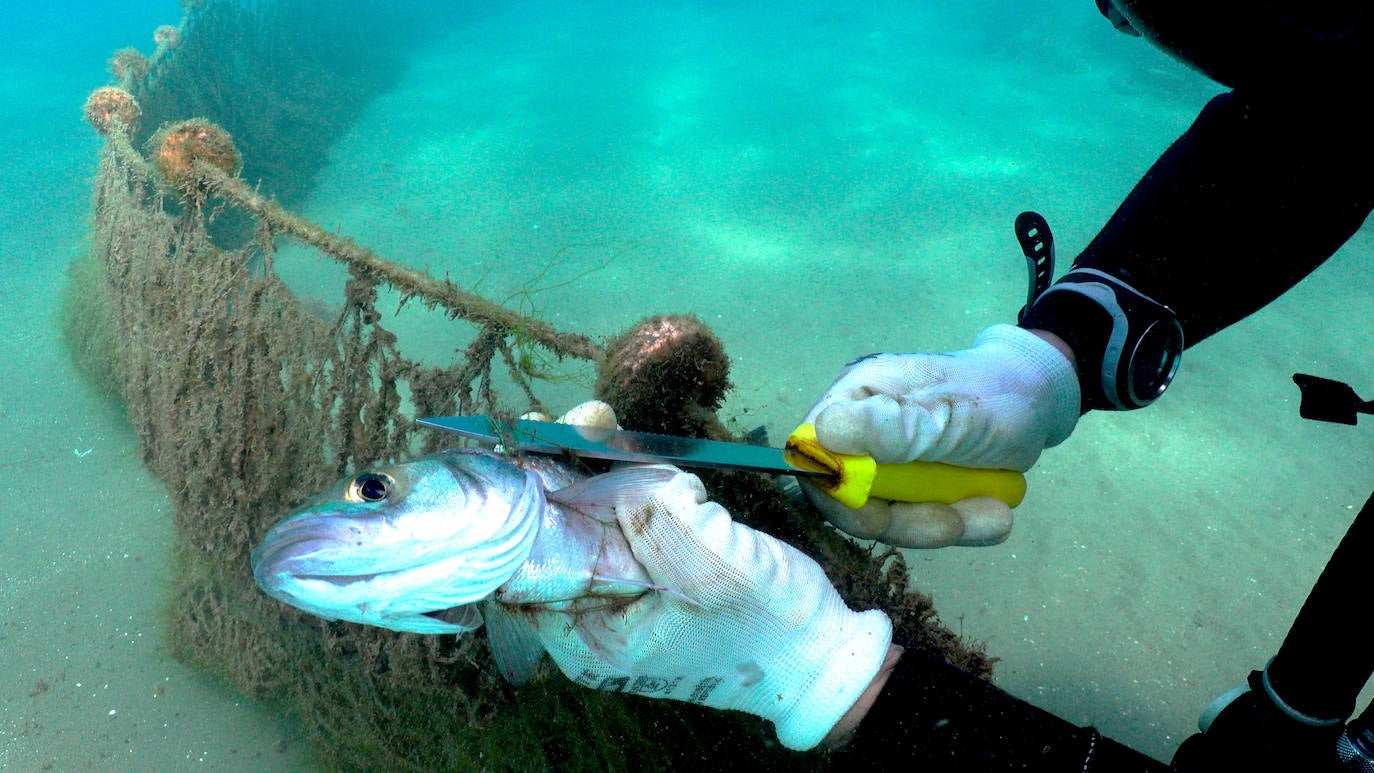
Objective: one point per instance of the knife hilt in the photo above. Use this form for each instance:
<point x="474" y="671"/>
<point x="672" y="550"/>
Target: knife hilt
<point x="853" y="479"/>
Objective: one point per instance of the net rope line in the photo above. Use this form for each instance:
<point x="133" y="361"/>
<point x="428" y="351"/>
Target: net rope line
<point x="455" y="301"/>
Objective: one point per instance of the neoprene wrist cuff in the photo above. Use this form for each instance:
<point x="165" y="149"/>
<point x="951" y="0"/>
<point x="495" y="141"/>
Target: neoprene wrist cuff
<point x="1085" y="327"/>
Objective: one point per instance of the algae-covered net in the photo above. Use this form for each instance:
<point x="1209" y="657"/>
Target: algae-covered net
<point x="246" y="403"/>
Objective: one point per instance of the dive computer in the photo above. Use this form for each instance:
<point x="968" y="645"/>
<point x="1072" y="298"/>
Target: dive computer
<point x="1127" y="345"/>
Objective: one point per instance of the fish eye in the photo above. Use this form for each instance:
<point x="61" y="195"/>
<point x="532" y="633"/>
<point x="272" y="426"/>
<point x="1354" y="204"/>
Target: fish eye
<point x="370" y="487"/>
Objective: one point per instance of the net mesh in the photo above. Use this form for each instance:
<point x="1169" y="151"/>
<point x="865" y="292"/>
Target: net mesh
<point x="245" y="403"/>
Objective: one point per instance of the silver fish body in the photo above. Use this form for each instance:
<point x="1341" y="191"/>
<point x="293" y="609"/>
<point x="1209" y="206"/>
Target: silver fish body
<point x="430" y="544"/>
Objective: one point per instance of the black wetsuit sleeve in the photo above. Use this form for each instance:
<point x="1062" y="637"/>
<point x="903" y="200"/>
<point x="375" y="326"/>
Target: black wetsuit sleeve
<point x="1255" y="195"/>
<point x="932" y="716"/>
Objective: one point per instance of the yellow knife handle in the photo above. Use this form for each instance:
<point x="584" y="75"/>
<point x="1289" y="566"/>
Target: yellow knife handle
<point x="852" y="479"/>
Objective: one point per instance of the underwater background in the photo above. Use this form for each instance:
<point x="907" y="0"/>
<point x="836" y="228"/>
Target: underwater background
<point x="815" y="183"/>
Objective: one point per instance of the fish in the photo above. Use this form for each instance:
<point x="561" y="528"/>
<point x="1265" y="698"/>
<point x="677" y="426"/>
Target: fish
<point x="449" y="541"/>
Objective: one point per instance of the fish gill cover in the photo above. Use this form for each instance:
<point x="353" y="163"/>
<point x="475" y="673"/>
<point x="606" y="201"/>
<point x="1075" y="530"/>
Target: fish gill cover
<point x="246" y="403"/>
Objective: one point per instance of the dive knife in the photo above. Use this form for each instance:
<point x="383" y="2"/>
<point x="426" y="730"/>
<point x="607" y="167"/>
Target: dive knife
<point x="849" y="478"/>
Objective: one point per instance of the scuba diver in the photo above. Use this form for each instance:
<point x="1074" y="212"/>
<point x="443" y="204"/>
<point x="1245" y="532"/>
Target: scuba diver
<point x="1274" y="175"/>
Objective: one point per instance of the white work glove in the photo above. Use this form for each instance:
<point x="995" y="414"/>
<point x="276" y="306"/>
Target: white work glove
<point x="995" y="405"/>
<point x="743" y="622"/>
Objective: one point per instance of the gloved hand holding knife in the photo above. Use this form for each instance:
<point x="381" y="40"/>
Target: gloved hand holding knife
<point x="996" y="405"/>
<point x="981" y="415"/>
<point x="913" y="450"/>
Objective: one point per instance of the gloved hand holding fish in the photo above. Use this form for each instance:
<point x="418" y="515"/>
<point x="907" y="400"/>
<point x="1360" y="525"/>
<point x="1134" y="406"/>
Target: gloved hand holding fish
<point x="631" y="580"/>
<point x="744" y="621"/>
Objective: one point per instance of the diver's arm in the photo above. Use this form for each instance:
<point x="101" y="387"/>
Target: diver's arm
<point x="849" y="723"/>
<point x="1273" y="176"/>
<point x="928" y="711"/>
<point x="1253" y="197"/>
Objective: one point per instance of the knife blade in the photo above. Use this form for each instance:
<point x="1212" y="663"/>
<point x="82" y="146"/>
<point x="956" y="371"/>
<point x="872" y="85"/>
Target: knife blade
<point x="851" y="479"/>
<point x="545" y="437"/>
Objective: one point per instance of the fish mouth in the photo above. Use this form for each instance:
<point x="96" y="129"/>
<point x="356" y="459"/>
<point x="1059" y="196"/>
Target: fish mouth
<point x="295" y="560"/>
<point x="298" y="552"/>
<point x="341" y="580"/>
<point x="278" y="549"/>
<point x="288" y="565"/>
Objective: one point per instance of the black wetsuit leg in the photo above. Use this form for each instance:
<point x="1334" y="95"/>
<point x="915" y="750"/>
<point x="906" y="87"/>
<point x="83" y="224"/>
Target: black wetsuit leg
<point x="932" y="716"/>
<point x="1328" y="654"/>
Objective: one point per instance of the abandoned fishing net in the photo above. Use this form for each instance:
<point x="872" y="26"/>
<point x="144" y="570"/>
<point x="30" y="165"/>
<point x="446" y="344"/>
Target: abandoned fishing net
<point x="246" y="402"/>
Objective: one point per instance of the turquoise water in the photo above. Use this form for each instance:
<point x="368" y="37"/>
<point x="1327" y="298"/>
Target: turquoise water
<point x="814" y="183"/>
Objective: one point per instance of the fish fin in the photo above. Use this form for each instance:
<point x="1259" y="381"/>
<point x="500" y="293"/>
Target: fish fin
<point x="600" y="495"/>
<point x="514" y="643"/>
<point x="647" y="585"/>
<point x="758" y="436"/>
<point x="607" y="636"/>
<point x="615" y="634"/>
<point x="465" y="617"/>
